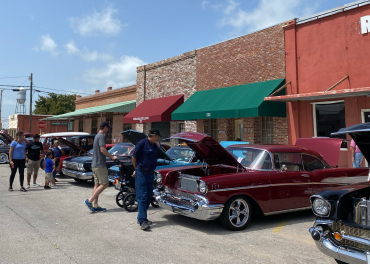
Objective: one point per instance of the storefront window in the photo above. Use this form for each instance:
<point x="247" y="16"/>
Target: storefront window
<point x="267" y="130"/>
<point x="180" y="127"/>
<point x="81" y="125"/>
<point x="108" y="136"/>
<point x="94" y="125"/>
<point x="164" y="128"/>
<point x="214" y="129"/>
<point x="239" y="129"/>
<point x="330" y="117"/>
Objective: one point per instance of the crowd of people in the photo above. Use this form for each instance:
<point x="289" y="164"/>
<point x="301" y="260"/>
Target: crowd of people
<point x="23" y="154"/>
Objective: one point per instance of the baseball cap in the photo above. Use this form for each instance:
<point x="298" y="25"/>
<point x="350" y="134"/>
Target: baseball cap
<point x="154" y="132"/>
<point x="105" y="124"/>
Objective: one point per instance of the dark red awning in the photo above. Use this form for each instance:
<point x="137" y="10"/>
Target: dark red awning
<point x="154" y="110"/>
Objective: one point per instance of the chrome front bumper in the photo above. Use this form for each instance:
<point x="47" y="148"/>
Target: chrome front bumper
<point x="327" y="246"/>
<point x="77" y="174"/>
<point x="198" y="209"/>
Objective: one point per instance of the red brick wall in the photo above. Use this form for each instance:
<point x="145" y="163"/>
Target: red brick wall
<point x="255" y="57"/>
<point x="109" y="97"/>
<point x="23" y="124"/>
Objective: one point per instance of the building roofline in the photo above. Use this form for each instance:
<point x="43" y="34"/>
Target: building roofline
<point x="332" y="11"/>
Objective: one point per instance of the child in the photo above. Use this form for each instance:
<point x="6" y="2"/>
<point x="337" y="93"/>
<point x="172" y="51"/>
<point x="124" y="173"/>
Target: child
<point x="49" y="169"/>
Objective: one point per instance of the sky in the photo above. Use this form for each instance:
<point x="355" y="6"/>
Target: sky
<point x="87" y="45"/>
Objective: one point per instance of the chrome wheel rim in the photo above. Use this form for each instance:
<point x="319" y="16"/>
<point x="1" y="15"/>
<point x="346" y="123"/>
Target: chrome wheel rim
<point x="3" y="158"/>
<point x="238" y="213"/>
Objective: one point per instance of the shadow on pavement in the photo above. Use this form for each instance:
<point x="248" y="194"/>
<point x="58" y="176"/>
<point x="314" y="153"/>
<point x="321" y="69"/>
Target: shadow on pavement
<point x="258" y="222"/>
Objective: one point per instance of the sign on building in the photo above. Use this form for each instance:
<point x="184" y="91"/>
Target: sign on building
<point x="365" y="24"/>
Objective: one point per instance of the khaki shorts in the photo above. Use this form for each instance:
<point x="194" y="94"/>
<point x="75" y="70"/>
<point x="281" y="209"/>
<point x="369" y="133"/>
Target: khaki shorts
<point x="33" y="166"/>
<point x="48" y="176"/>
<point x="100" y="175"/>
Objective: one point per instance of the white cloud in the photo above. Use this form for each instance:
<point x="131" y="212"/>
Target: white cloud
<point x="85" y="54"/>
<point x="267" y="13"/>
<point x="204" y="4"/>
<point x="48" y="45"/>
<point x="116" y="74"/>
<point x="97" y="23"/>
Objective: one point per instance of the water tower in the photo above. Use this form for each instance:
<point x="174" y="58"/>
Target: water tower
<point x="20" y="108"/>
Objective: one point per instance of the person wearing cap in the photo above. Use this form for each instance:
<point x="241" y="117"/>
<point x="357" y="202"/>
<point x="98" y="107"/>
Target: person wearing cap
<point x="58" y="152"/>
<point x="144" y="161"/>
<point x="33" y="151"/>
<point x="99" y="168"/>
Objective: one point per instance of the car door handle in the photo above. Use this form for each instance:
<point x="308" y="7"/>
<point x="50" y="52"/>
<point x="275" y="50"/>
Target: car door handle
<point x="305" y="175"/>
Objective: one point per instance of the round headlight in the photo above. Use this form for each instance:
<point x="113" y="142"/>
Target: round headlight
<point x="202" y="187"/>
<point x="80" y="167"/>
<point x="158" y="178"/>
<point x="321" y="207"/>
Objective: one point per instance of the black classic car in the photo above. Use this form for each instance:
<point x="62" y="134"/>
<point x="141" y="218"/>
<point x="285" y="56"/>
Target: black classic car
<point x="342" y="226"/>
<point x="6" y="139"/>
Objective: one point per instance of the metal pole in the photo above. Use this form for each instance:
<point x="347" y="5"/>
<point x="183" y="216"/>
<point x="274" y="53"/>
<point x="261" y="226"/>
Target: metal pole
<point x="30" y="123"/>
<point x="1" y="105"/>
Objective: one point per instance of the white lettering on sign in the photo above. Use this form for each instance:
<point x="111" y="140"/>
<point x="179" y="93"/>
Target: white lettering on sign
<point x="208" y="114"/>
<point x="141" y="118"/>
<point x="365" y="24"/>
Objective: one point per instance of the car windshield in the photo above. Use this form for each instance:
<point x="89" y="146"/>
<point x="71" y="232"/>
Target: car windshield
<point x="120" y="149"/>
<point x="180" y="154"/>
<point x="251" y="157"/>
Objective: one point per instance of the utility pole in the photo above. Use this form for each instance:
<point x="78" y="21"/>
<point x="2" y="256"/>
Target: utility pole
<point x="30" y="123"/>
<point x="1" y="105"/>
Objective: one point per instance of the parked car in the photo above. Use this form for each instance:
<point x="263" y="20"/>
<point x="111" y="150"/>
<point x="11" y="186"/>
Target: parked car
<point x="236" y="182"/>
<point x="342" y="226"/>
<point x="84" y="141"/>
<point x="4" y="147"/>
<point x="79" y="168"/>
<point x="46" y="139"/>
<point x="176" y="157"/>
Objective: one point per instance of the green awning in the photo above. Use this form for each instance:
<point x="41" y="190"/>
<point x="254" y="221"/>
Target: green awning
<point x="233" y="102"/>
<point x="122" y="107"/>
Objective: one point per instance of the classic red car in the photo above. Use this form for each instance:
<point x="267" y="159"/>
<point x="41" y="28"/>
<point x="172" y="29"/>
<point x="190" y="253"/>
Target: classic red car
<point x="236" y="182"/>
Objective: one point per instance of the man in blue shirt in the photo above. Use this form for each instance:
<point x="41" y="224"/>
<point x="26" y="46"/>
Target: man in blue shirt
<point x="58" y="152"/>
<point x="144" y="161"/>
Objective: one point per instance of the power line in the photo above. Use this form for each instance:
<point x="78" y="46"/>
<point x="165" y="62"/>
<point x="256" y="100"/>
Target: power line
<point x="62" y="90"/>
<point x="12" y="77"/>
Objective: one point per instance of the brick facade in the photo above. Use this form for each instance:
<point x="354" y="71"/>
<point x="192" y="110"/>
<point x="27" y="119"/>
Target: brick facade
<point x="109" y="97"/>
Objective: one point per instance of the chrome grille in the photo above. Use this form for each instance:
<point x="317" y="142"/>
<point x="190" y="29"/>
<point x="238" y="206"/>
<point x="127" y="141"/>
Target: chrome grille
<point x="179" y="193"/>
<point x="70" y="165"/>
<point x="355" y="231"/>
<point x="188" y="183"/>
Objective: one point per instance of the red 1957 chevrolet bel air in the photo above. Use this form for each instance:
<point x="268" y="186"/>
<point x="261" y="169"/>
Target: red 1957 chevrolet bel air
<point x="236" y="182"/>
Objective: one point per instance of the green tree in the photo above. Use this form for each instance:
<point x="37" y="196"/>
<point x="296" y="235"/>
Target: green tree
<point x="55" y="104"/>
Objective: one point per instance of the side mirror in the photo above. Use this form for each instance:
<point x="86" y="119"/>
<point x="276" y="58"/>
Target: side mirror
<point x="283" y="168"/>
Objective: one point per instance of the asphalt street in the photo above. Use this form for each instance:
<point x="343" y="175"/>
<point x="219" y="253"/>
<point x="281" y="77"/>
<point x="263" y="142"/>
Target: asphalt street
<point x="54" y="226"/>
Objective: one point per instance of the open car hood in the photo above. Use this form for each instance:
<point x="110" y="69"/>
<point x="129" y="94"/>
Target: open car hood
<point x="208" y="148"/>
<point x="5" y="137"/>
<point x="329" y="148"/>
<point x="361" y="135"/>
<point x="135" y="136"/>
<point x="71" y="145"/>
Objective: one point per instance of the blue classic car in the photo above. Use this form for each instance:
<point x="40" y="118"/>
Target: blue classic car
<point x="175" y="156"/>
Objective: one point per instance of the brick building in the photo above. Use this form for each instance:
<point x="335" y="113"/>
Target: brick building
<point x="256" y="57"/>
<point x="110" y="106"/>
<point x="326" y="62"/>
<point x="20" y="122"/>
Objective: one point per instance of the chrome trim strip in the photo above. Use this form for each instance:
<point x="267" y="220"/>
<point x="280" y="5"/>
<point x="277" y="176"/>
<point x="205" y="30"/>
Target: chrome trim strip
<point x="363" y="241"/>
<point x="77" y="174"/>
<point x="289" y="210"/>
<point x="240" y="188"/>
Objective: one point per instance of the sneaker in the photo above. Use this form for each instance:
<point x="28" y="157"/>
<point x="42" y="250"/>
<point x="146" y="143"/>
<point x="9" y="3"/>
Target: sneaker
<point x="88" y="204"/>
<point x="54" y="186"/>
<point x="100" y="209"/>
<point x="47" y="187"/>
<point x="10" y="189"/>
<point x="23" y="189"/>
<point x="28" y="186"/>
<point x="149" y="222"/>
<point x="35" y="185"/>
<point x="144" y="225"/>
